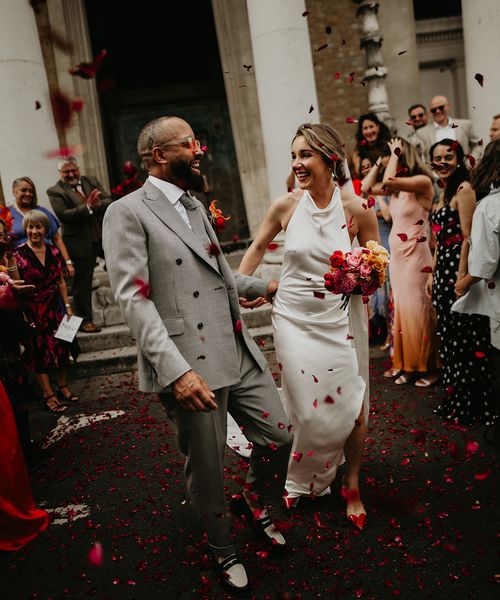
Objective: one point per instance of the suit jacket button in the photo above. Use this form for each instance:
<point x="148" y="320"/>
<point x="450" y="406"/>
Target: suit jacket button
<point x="200" y="325"/>
<point x="178" y="261"/>
<point x="196" y="294"/>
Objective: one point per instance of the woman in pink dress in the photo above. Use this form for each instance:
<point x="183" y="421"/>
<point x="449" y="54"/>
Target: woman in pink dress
<point x="410" y="183"/>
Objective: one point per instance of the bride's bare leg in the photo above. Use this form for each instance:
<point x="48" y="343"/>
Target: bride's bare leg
<point x="353" y="451"/>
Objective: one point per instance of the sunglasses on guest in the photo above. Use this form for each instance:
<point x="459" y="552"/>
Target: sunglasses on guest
<point x="419" y="116"/>
<point x="438" y="108"/>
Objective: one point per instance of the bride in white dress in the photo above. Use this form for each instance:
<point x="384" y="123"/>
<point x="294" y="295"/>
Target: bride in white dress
<point x="323" y="391"/>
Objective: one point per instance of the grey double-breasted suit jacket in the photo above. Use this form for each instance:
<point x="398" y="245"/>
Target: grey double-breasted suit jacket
<point x="188" y="320"/>
<point x="464" y="133"/>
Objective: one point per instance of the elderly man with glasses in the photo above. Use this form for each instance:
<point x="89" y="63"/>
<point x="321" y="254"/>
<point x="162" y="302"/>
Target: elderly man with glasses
<point x="446" y="127"/>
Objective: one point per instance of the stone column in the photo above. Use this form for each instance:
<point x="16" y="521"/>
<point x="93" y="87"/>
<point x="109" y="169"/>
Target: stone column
<point x="481" y="26"/>
<point x="27" y="132"/>
<point x="285" y="80"/>
<point x="233" y="34"/>
<point x="375" y="74"/>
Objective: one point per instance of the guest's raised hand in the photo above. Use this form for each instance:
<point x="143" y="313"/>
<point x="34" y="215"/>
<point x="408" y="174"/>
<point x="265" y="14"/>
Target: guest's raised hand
<point x="395" y="145"/>
<point x="94" y="199"/>
<point x="192" y="393"/>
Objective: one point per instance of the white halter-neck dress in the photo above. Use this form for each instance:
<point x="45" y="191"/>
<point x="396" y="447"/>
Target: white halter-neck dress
<point x="323" y="391"/>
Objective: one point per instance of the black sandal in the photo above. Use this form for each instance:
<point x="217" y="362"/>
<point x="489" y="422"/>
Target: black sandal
<point x="53" y="405"/>
<point x="71" y="398"/>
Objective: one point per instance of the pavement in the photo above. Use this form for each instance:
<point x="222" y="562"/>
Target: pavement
<point x="123" y="527"/>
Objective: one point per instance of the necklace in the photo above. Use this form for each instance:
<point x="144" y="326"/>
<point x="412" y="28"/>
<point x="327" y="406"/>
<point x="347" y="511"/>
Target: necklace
<point x="37" y="250"/>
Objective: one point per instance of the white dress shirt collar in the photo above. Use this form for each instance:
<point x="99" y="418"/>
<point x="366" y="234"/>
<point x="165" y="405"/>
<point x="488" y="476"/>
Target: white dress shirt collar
<point x="171" y="191"/>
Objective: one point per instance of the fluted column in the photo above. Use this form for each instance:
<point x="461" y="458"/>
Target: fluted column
<point x="27" y="129"/>
<point x="481" y="27"/>
<point x="376" y="73"/>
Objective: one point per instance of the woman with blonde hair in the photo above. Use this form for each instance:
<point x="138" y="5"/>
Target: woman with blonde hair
<point x="41" y="265"/>
<point x="324" y="394"/>
<point x="414" y="325"/>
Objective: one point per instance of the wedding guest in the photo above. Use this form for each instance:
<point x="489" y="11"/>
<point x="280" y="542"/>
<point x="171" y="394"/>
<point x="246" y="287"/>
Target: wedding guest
<point x="417" y="116"/>
<point x="25" y="199"/>
<point x="477" y="289"/>
<point x="41" y="264"/>
<point x="495" y="128"/>
<point x="372" y="136"/>
<point x="410" y="184"/>
<point x="324" y="393"/>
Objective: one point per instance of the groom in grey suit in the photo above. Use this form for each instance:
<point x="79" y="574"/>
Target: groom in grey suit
<point x="181" y="302"/>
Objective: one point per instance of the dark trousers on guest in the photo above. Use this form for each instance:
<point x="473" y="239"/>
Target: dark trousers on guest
<point x="82" y="283"/>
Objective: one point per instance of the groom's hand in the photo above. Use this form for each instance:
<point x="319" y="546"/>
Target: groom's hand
<point x="193" y="394"/>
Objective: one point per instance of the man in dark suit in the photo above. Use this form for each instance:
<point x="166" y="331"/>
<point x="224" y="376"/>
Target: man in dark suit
<point x="80" y="203"/>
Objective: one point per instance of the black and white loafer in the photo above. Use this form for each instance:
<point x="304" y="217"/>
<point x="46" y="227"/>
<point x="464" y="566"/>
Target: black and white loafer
<point x="232" y="574"/>
<point x="261" y="524"/>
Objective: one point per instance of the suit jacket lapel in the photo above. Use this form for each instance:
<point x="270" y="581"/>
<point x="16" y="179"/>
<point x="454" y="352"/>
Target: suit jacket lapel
<point x="161" y="206"/>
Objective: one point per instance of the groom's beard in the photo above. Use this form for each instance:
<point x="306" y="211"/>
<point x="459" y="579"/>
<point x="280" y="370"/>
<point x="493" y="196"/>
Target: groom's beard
<point x="181" y="171"/>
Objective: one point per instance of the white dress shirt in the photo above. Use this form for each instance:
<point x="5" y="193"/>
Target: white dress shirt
<point x="173" y="193"/>
<point x="446" y="132"/>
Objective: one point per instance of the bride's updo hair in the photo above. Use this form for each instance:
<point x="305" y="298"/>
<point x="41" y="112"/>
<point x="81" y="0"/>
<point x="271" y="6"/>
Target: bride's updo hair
<point x="328" y="142"/>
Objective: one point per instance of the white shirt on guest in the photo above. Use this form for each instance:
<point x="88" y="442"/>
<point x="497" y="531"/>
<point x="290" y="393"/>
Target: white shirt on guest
<point x="173" y="193"/>
<point x="446" y="132"/>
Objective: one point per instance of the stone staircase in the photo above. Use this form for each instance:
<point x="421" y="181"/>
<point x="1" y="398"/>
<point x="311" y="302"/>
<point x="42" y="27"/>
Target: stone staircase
<point x="113" y="349"/>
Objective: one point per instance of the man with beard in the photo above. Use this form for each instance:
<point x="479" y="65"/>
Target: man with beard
<point x="180" y="299"/>
<point x="80" y="203"/>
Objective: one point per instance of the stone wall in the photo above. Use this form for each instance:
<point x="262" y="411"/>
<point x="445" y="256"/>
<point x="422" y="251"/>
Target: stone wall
<point x="337" y="97"/>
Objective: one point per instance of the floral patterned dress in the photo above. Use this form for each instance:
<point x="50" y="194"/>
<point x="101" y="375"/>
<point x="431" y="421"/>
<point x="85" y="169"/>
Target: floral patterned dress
<point x="45" y="306"/>
<point x="464" y="339"/>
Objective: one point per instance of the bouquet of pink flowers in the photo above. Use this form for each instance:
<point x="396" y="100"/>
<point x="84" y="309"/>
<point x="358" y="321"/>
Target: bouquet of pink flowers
<point x="360" y="271"/>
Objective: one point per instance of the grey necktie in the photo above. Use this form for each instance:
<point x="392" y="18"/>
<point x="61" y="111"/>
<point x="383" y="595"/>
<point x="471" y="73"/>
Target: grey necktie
<point x="197" y="224"/>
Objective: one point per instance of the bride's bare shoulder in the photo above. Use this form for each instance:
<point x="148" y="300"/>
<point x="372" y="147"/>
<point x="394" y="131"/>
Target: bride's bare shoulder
<point x="288" y="201"/>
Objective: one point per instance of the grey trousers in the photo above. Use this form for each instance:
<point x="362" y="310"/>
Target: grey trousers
<point x="255" y="405"/>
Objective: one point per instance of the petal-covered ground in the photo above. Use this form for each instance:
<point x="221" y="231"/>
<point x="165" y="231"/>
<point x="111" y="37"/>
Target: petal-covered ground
<point x="124" y="528"/>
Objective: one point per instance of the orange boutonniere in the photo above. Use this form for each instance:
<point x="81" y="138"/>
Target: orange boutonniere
<point x="217" y="219"/>
<point x="6" y="216"/>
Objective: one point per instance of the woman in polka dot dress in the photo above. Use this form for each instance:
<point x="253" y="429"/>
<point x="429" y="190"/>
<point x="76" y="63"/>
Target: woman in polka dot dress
<point x="464" y="339"/>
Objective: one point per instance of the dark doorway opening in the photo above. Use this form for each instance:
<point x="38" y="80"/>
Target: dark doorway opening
<point x="163" y="59"/>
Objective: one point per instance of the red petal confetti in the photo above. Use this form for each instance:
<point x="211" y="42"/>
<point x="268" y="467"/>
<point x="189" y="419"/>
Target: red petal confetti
<point x="426" y="269"/>
<point x="472" y="160"/>
<point x="89" y="70"/>
<point x="339" y="389"/>
<point x="351" y="77"/>
<point x="337" y="75"/>
<point x="265" y="414"/>
<point x="351" y="120"/>
<point x="64" y="152"/>
<point x="305" y="13"/>
<point x="248" y="67"/>
<point x="322" y="47"/>
<point x="471" y="448"/>
<point x="454" y="125"/>
<point x="319" y="295"/>
<point x="329" y="400"/>
<point x="318" y="522"/>
<point x="213" y="249"/>
<point x="479" y="78"/>
<point x="143" y="287"/>
<point x="421" y="239"/>
<point x="402" y="52"/>
<point x="315" y="379"/>
<point x="37" y="105"/>
<point x="491" y="285"/>
<point x="238" y="326"/>
<point x="397" y="151"/>
<point x="419" y="222"/>
<point x="328" y="30"/>
<point x="62" y="108"/>
<point x="402" y="236"/>
<point x="482" y="476"/>
<point x="95" y="555"/>
<point x="481" y="142"/>
<point x="235" y="238"/>
<point x="77" y="105"/>
<point x="315" y="403"/>
<point x="311" y="108"/>
<point x="272" y="246"/>
<point x="297" y="456"/>
<point x="479" y="354"/>
<point x="343" y="42"/>
<point x="371" y="202"/>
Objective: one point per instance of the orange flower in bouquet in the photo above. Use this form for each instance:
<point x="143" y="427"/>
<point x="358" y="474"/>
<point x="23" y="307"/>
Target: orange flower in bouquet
<point x="217" y="219"/>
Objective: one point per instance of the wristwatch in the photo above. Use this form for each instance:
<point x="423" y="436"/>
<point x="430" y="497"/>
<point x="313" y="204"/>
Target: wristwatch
<point x="67" y="305"/>
<point x="69" y="262"/>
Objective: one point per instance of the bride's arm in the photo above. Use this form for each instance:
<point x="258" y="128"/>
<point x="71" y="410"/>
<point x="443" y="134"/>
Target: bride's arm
<point x="268" y="230"/>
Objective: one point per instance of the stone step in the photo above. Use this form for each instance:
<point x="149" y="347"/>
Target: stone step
<point x="104" y="362"/>
<point x="257" y="317"/>
<point x="116" y="336"/>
